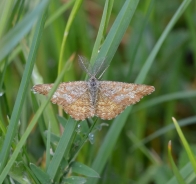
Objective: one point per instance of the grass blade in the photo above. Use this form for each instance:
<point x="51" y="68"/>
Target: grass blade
<point x="173" y="165"/>
<point x="165" y="98"/>
<point x="60" y="11"/>
<point x="162" y="131"/>
<point x="145" y="69"/>
<point x="21" y="93"/>
<point x="185" y="144"/>
<point x="117" y="30"/>
<point x="30" y="127"/>
<point x="118" y="123"/>
<point x="6" y="11"/>
<point x="82" y="169"/>
<point x="13" y="37"/>
<point x="186" y="171"/>
<point x="48" y="146"/>
<point x="100" y="35"/>
<point x="108" y="49"/>
<point x="66" y="32"/>
<point x="62" y="148"/>
<point x="40" y="175"/>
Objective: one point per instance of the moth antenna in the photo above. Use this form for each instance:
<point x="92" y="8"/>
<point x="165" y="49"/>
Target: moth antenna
<point x="84" y="66"/>
<point x="99" y="69"/>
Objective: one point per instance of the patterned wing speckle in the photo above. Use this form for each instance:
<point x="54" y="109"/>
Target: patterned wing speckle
<point x="106" y="108"/>
<point x="114" y="97"/>
<point x="81" y="108"/>
<point x="72" y="96"/>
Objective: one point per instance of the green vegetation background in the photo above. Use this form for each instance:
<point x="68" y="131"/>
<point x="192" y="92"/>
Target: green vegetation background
<point x="40" y="41"/>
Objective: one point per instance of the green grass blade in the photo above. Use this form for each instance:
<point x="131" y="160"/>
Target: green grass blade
<point x="74" y="180"/>
<point x="85" y="138"/>
<point x="21" y="94"/>
<point x="2" y="127"/>
<point x="24" y="137"/>
<point x="109" y="10"/>
<point x="48" y="115"/>
<point x="143" y="149"/>
<point x="162" y="131"/>
<point x="141" y="31"/>
<point x="66" y="32"/>
<point x="109" y="142"/>
<point x="186" y="145"/>
<point x="165" y="98"/>
<point x="40" y="175"/>
<point x="186" y="171"/>
<point x="117" y="30"/>
<point x="4" y="16"/>
<point x="100" y="33"/>
<point x="108" y="49"/>
<point x="59" y="12"/>
<point x="62" y="148"/>
<point x="82" y="169"/>
<point x="173" y="165"/>
<point x="14" y="36"/>
<point x="118" y="123"/>
<point x="145" y="69"/>
<point x="48" y="146"/>
<point x="190" y="23"/>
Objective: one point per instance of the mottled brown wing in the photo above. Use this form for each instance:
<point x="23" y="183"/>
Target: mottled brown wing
<point x="106" y="108"/>
<point x="114" y="97"/>
<point x="72" y="96"/>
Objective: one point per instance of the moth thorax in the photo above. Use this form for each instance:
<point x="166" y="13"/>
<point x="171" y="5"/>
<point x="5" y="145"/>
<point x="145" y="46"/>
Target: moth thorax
<point x="93" y="84"/>
<point x="93" y="89"/>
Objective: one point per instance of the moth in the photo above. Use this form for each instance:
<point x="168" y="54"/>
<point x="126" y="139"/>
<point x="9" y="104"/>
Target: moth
<point x="86" y="99"/>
